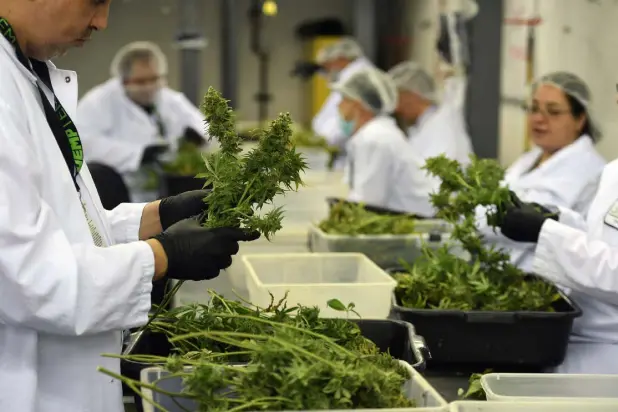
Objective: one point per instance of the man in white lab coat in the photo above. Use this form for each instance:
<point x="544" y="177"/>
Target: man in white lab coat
<point x="73" y="275"/>
<point x="382" y="169"/>
<point x="432" y="129"/>
<point x="131" y="119"/>
<point x="339" y="60"/>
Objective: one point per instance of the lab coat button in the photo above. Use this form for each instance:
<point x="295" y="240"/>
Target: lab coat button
<point x="67" y="79"/>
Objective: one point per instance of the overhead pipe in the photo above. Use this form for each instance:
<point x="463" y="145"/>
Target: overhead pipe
<point x="190" y="42"/>
<point x="263" y="97"/>
<point x="229" y="52"/>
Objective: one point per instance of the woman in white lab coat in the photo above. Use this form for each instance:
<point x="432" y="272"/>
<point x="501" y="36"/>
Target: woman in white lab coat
<point x="339" y="60"/>
<point x="131" y="118"/>
<point x="432" y="129"/>
<point x="564" y="167"/>
<point x="579" y="252"/>
<point x="73" y="275"/>
<point x="382" y="168"/>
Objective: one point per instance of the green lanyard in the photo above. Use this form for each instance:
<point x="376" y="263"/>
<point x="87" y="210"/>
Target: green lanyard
<point x="61" y="125"/>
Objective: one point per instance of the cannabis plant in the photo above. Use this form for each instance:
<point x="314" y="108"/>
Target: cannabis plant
<point x="487" y="281"/>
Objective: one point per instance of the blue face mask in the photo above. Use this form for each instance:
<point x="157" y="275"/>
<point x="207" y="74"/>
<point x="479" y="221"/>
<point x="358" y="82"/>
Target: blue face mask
<point x="347" y="127"/>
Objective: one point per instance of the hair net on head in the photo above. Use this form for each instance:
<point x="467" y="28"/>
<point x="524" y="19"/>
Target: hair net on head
<point x="577" y="88"/>
<point x="412" y="77"/>
<point x="371" y="87"/>
<point x="346" y="48"/>
<point x="123" y="61"/>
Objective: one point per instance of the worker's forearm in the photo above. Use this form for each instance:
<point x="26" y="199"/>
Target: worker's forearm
<point x="150" y="224"/>
<point x="160" y="258"/>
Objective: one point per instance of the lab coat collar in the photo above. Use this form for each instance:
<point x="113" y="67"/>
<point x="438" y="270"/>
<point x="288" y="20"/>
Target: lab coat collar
<point x="423" y="118"/>
<point x="63" y="81"/>
<point x="583" y="144"/>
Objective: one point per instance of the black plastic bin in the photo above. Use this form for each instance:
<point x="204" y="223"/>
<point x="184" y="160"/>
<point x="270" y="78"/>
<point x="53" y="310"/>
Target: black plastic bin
<point x="396" y="337"/>
<point x="479" y="340"/>
<point x="171" y="185"/>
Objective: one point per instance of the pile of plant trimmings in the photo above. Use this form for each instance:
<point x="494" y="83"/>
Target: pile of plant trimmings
<point x="243" y="357"/>
<point x="488" y="281"/>
<point x="352" y="219"/>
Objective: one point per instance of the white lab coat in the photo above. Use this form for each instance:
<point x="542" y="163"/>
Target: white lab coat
<point x="116" y="131"/>
<point x="63" y="301"/>
<point x="567" y="179"/>
<point x="441" y="129"/>
<point x="582" y="255"/>
<point x="327" y="123"/>
<point x="384" y="171"/>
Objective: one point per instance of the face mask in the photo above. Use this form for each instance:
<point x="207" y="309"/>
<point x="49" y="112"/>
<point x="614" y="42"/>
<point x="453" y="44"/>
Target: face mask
<point x="347" y="127"/>
<point x="143" y="95"/>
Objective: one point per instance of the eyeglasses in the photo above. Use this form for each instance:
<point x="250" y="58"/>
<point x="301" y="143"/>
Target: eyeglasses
<point x="546" y="112"/>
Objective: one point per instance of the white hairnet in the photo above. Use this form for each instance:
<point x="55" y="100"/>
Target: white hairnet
<point x="412" y="77"/>
<point x="126" y="55"/>
<point x="577" y="88"/>
<point x="371" y="87"/>
<point x="346" y="48"/>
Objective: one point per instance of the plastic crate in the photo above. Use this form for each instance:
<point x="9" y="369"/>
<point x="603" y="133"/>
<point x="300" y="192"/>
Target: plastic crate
<point x="485" y="339"/>
<point x="385" y="250"/>
<point x="417" y="388"/>
<point x="312" y="279"/>
<point x="474" y="406"/>
<point x="551" y="387"/>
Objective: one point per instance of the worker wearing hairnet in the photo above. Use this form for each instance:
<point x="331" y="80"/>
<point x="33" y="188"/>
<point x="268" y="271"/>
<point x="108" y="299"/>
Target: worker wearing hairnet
<point x="131" y="119"/>
<point x="382" y="168"/>
<point x="564" y="167"/>
<point x="432" y="129"/>
<point x="575" y="249"/>
<point x="339" y="61"/>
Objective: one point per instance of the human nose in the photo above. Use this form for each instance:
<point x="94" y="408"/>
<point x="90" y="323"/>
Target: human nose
<point x="101" y="17"/>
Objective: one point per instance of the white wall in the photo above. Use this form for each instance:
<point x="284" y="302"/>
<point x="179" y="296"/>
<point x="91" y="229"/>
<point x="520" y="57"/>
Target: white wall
<point x="157" y="20"/>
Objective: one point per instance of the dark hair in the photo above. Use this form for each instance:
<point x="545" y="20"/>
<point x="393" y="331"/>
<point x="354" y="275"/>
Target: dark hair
<point x="578" y="110"/>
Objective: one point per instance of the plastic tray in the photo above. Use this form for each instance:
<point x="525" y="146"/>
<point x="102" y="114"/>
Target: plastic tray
<point x="486" y="339"/>
<point x="312" y="279"/>
<point x="551" y="387"/>
<point x="417" y="388"/>
<point x="474" y="406"/>
<point x="395" y="337"/>
<point x="385" y="250"/>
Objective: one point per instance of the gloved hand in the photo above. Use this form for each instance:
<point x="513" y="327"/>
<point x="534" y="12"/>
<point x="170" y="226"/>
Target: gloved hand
<point x="197" y="253"/>
<point x="152" y="152"/>
<point x="185" y="205"/>
<point x="191" y="136"/>
<point x="522" y="222"/>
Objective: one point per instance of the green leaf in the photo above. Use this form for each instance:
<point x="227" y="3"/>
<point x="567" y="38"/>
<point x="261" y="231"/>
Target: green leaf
<point x="336" y="304"/>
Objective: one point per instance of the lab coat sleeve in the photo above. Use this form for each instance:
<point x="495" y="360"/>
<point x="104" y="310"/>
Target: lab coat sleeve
<point x="48" y="283"/>
<point x="567" y="257"/>
<point x="371" y="174"/>
<point x="326" y="122"/>
<point x="572" y="219"/>
<point x="96" y="129"/>
<point x="125" y="221"/>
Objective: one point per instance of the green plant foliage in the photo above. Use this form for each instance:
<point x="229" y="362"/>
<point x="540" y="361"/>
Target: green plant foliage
<point x="352" y="219"/>
<point x="487" y="281"/>
<point x="291" y="359"/>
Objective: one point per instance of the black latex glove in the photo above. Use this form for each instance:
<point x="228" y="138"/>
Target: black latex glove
<point x="185" y="205"/>
<point x="196" y="253"/>
<point x="151" y="153"/>
<point x="522" y="222"/>
<point x="193" y="137"/>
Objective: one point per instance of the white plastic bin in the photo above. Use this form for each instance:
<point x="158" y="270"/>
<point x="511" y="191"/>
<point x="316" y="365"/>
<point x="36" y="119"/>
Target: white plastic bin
<point x="385" y="250"/>
<point x="550" y="387"/>
<point x="474" y="406"/>
<point x="313" y="279"/>
<point x="417" y="388"/>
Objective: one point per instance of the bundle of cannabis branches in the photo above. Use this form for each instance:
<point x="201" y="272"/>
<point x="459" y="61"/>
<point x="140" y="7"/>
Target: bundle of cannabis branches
<point x="243" y="184"/>
<point x="291" y="359"/>
<point x="188" y="161"/>
<point x="488" y="281"/>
